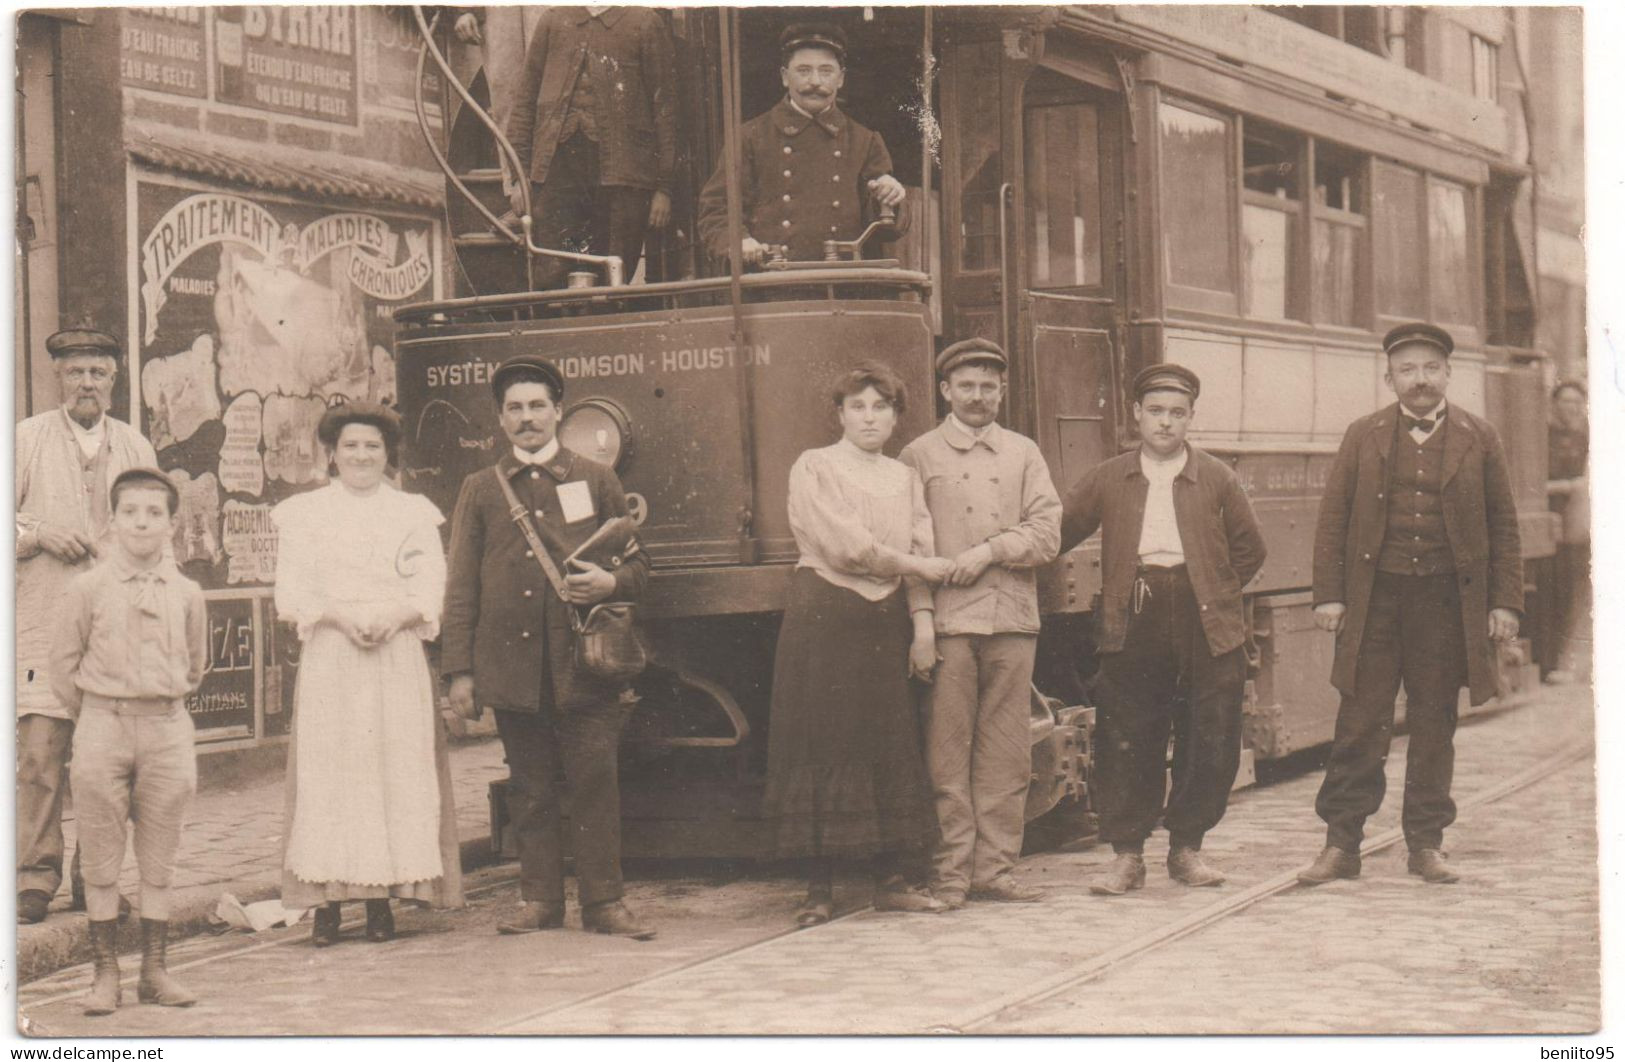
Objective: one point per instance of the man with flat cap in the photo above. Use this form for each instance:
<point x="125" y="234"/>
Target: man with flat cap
<point x="810" y="173"/>
<point x="67" y="458"/>
<point x="1417" y="570"/>
<point x="506" y="642"/>
<point x="998" y="518"/>
<point x="1178" y="542"/>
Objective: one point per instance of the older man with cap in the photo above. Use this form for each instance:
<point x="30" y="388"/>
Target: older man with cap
<point x="1178" y="542"/>
<point x="998" y="517"/>
<point x="67" y="458"/>
<point x="506" y="642"/>
<point x="810" y="171"/>
<point x="1418" y="570"/>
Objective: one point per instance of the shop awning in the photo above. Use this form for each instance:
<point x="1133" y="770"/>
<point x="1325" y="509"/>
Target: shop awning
<point x="279" y="167"/>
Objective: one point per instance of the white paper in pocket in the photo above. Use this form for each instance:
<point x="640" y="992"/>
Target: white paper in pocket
<point x="575" y="499"/>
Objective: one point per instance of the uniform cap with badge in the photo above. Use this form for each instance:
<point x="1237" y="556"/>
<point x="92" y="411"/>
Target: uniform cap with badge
<point x="528" y="363"/>
<point x="825" y="35"/>
<point x="1166" y="376"/>
<point x="1418" y="332"/>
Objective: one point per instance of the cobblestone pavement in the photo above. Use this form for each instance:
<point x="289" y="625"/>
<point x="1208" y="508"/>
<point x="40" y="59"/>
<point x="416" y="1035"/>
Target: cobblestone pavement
<point x="1513" y="947"/>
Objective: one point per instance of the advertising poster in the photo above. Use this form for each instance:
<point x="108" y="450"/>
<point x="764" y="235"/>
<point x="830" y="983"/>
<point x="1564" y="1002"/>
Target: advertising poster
<point x="291" y="60"/>
<point x="255" y="314"/>
<point x="164" y="48"/>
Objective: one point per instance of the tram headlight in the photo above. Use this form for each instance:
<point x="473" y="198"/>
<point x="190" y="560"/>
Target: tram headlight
<point x="597" y="428"/>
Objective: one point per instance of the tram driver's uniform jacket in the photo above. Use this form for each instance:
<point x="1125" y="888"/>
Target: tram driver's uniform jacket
<point x="804" y="179"/>
<point x="1171" y="641"/>
<point x="505" y="624"/>
<point x="1418" y="538"/>
<point x="990" y="487"/>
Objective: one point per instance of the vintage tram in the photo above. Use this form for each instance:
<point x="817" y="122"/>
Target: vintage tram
<point x="1097" y="188"/>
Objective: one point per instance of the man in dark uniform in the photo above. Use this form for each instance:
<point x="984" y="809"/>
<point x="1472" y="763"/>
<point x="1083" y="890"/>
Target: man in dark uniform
<point x="595" y="123"/>
<point x="1417" y="569"/>
<point x="506" y="642"/>
<point x="1178" y="542"/>
<point x="809" y="171"/>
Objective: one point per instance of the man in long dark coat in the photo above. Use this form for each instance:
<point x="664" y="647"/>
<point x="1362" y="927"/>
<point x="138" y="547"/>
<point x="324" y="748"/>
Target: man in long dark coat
<point x="810" y="171"/>
<point x="1418" y="570"/>
<point x="506" y="642"/>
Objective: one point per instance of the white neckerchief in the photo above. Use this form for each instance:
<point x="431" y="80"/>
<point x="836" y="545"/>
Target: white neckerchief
<point x="974" y="433"/>
<point x="89" y="439"/>
<point x="540" y="457"/>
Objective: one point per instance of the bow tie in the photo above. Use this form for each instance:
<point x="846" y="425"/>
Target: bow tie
<point x="1418" y="423"/>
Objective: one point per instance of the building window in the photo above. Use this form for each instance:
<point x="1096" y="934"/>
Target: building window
<point x="1197" y="226"/>
<point x="1063" y="195"/>
<point x="1337" y="250"/>
<point x="1271" y="221"/>
<point x="1486" y="69"/>
<point x="1400" y="233"/>
<point x="980" y="164"/>
<point x="1449" y="252"/>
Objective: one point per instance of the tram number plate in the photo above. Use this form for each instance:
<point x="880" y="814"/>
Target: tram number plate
<point x="638" y="507"/>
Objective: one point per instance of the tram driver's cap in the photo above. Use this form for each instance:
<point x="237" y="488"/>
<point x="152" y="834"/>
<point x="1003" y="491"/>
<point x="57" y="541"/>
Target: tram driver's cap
<point x="812" y="35"/>
<point x="971" y="350"/>
<point x="71" y="341"/>
<point x="1166" y="377"/>
<point x="1418" y="332"/>
<point x="527" y="363"/>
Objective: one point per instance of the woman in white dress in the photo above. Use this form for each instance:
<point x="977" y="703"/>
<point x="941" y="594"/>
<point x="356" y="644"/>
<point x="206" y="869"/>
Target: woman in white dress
<point x="361" y="573"/>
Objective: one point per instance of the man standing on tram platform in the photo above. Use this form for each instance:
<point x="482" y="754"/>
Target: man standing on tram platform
<point x="809" y="170"/>
<point x="67" y="459"/>
<point x="1178" y="542"/>
<point x="1418" y="571"/>
<point x="506" y="642"/>
<point x="997" y="516"/>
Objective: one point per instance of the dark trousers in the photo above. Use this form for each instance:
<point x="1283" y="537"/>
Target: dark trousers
<point x="563" y="764"/>
<point x="574" y="213"/>
<point x="1164" y="679"/>
<point x="1412" y="636"/>
<point x="43" y="746"/>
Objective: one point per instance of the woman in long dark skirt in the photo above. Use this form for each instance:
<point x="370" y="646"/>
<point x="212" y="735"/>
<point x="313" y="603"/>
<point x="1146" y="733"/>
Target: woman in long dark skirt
<point x="846" y="775"/>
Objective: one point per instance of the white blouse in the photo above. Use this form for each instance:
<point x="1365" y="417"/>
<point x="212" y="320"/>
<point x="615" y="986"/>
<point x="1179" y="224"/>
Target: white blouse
<point x="856" y="516"/>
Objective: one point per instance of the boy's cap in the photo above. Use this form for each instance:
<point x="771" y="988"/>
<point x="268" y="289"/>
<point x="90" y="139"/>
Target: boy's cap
<point x="142" y="472"/>
<point x="1166" y="377"/>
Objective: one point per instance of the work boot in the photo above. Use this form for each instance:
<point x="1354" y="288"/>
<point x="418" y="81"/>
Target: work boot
<point x="1429" y="864"/>
<point x="1006" y="889"/>
<point x="894" y="893"/>
<point x="612" y="917"/>
<point x="1332" y="863"/>
<point x="1186" y="866"/>
<point x="380" y="921"/>
<point x="32" y="906"/>
<point x="156" y="986"/>
<point x="104" y="988"/>
<point x="952" y="899"/>
<point x="533" y="916"/>
<point x="324" y="927"/>
<point x="1127" y="872"/>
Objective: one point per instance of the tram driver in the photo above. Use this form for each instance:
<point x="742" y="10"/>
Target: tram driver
<point x="809" y="171"/>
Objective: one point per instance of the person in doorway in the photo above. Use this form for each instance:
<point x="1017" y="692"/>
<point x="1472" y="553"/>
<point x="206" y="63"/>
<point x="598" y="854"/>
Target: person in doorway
<point x="507" y="643"/>
<point x="811" y="173"/>
<point x="1566" y="636"/>
<point x="997" y="516"/>
<point x="131" y="643"/>
<point x="1179" y="541"/>
<point x="67" y="459"/>
<point x="1418" y="572"/>
<point x="594" y="122"/>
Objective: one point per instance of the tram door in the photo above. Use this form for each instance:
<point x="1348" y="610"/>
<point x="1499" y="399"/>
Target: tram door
<point x="1070" y="269"/>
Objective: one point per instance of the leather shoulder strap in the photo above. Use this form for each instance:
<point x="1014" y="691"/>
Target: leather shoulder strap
<point x="516" y="510"/>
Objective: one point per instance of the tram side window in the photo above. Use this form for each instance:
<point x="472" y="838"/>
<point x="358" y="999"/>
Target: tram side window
<point x="1271" y="221"/>
<point x="1197" y="226"/>
<point x="1399" y="213"/>
<point x="1449" y="252"/>
<point x="1337" y="247"/>
<point x="980" y="164"/>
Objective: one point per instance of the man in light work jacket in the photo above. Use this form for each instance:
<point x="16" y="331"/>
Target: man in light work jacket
<point x="997" y="516"/>
<point x="506" y="643"/>
<point x="1418" y="569"/>
<point x="67" y="459"/>
<point x="810" y="171"/>
<point x="1178" y="542"/>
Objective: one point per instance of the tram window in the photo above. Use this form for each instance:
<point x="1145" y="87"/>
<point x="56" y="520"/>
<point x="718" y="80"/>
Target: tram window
<point x="1063" y="199"/>
<point x="1398" y="212"/>
<point x="1197" y="235"/>
<point x="1271" y="220"/>
<point x="1338" y="238"/>
<point x="980" y="164"/>
<point x="1449" y="252"/>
